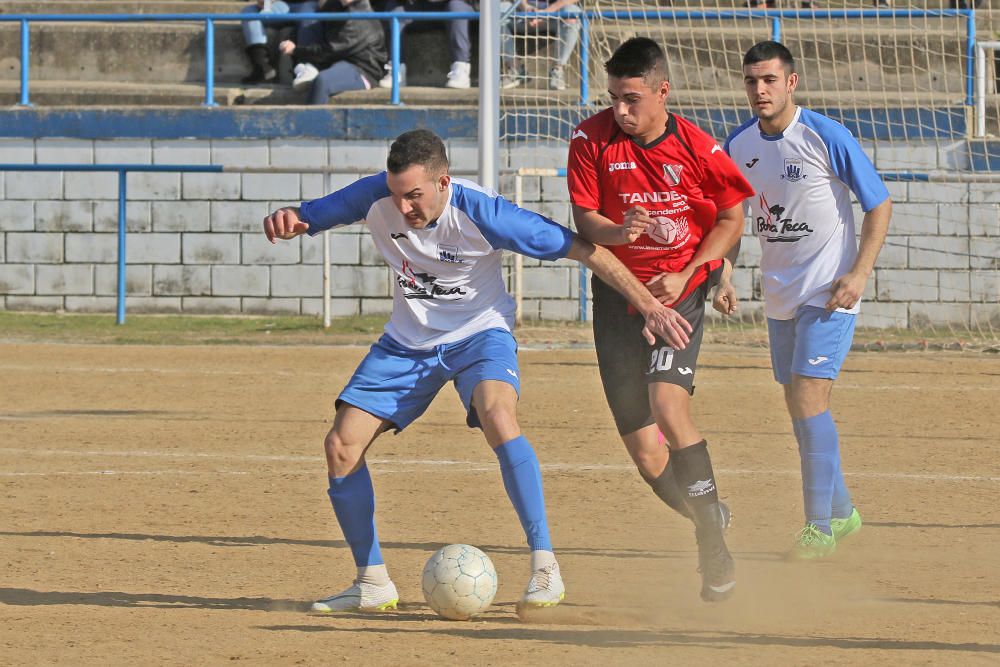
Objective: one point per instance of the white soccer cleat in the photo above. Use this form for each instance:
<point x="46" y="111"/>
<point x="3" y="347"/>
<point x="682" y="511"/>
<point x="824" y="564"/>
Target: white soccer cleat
<point x="304" y="75"/>
<point x="545" y="589"/>
<point x="359" y="597"/>
<point x="460" y="75"/>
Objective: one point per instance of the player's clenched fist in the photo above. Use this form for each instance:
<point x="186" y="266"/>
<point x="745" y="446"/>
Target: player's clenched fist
<point x="634" y="223"/>
<point x="284" y="224"/>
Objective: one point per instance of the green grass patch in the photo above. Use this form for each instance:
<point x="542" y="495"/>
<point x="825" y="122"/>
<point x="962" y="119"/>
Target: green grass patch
<point x="186" y="329"/>
<point x="304" y="330"/>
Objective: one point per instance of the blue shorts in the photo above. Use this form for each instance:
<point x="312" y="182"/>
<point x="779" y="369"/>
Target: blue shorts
<point x="396" y="383"/>
<point x="813" y="344"/>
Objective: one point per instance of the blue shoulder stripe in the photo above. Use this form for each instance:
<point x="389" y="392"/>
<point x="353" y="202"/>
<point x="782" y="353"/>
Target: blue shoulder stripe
<point x="847" y="159"/>
<point x="509" y="227"/>
<point x="738" y="131"/>
<point x="345" y="206"/>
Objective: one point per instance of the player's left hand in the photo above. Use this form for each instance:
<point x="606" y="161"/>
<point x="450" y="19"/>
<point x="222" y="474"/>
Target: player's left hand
<point x="669" y="325"/>
<point x="725" y="300"/>
<point x="287" y="47"/>
<point x="846" y="290"/>
<point x="667" y="287"/>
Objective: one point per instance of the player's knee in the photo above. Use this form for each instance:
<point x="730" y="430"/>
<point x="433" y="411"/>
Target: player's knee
<point x="499" y="419"/>
<point x="808" y="396"/>
<point x="340" y="455"/>
<point x="671" y="416"/>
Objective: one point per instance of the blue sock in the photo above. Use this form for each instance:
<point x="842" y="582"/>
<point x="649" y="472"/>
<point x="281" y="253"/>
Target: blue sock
<point x="819" y="456"/>
<point x="353" y="499"/>
<point x="523" y="480"/>
<point x="842" y="505"/>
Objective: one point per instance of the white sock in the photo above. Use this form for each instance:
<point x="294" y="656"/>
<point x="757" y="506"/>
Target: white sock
<point x="540" y="559"/>
<point x="376" y="575"/>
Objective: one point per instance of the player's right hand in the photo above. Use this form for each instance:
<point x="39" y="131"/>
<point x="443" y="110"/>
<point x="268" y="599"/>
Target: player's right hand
<point x="669" y="325"/>
<point x="284" y="224"/>
<point x="634" y="223"/>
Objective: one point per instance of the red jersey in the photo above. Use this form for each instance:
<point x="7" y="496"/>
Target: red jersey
<point x="682" y="178"/>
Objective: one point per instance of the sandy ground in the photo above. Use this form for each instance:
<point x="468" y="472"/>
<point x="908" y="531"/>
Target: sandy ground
<point x="167" y="505"/>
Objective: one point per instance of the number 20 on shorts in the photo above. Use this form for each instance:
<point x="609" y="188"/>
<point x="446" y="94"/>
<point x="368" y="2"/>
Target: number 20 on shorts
<point x="662" y="359"/>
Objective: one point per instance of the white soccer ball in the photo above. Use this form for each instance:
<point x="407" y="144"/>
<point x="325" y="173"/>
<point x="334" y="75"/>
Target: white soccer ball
<point x="459" y="582"/>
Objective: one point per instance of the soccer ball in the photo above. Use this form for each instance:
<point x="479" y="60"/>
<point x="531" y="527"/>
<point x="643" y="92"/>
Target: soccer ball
<point x="459" y="582"/>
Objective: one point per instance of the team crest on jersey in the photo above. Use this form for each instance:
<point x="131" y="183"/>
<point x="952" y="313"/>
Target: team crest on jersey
<point x="449" y="253"/>
<point x="670" y="232"/>
<point x="672" y="172"/>
<point x="793" y="169"/>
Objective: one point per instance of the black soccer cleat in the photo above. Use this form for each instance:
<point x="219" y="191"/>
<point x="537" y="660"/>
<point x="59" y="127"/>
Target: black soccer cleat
<point x="718" y="573"/>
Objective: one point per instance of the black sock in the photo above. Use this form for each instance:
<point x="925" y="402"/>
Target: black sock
<point x="669" y="491"/>
<point x="693" y="469"/>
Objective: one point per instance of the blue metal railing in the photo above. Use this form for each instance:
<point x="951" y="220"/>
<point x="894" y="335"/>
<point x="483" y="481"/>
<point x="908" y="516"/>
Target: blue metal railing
<point x="775" y="17"/>
<point x="122" y="170"/>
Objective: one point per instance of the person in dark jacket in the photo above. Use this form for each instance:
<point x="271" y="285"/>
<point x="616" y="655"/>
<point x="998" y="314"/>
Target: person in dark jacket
<point x="352" y="55"/>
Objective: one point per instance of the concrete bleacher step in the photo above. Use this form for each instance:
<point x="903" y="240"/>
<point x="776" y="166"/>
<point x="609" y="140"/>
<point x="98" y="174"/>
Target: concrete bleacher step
<point x="117" y="7"/>
<point x="99" y="94"/>
<point x="120" y="60"/>
<point x="164" y="52"/>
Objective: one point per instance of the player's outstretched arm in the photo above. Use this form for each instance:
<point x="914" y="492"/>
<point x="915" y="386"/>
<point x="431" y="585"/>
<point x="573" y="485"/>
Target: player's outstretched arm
<point x="847" y="289"/>
<point x="599" y="229"/>
<point x="284" y="224"/>
<point x="661" y="321"/>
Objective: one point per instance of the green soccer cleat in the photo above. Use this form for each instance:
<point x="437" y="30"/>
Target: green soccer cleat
<point x="812" y="543"/>
<point x="844" y="527"/>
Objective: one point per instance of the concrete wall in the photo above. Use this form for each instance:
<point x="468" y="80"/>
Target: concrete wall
<point x="195" y="245"/>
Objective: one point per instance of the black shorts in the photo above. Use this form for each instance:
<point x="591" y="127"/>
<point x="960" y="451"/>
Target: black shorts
<point x="628" y="364"/>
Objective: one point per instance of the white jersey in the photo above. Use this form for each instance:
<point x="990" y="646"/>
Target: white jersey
<point x="449" y="282"/>
<point x="802" y="212"/>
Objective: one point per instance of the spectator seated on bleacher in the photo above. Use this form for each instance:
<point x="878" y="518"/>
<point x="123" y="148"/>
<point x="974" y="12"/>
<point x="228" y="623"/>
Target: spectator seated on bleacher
<point x="460" y="74"/>
<point x="567" y="31"/>
<point x="255" y="34"/>
<point x="351" y="55"/>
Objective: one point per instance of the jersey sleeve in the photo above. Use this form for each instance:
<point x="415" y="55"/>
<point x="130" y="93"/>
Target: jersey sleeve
<point x="581" y="172"/>
<point x="723" y="183"/>
<point x="346" y="206"/>
<point x="509" y="227"/>
<point x="849" y="162"/>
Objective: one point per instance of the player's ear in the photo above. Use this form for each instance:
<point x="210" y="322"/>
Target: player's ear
<point x="793" y="81"/>
<point x="664" y="89"/>
<point x="444" y="180"/>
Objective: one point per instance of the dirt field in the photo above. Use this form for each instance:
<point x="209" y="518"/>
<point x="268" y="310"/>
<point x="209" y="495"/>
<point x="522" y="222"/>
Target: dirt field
<point x="167" y="505"/>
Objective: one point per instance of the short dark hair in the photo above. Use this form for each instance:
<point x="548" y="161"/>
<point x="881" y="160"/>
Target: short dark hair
<point x="638" y="57"/>
<point x="769" y="50"/>
<point x="417" y="147"/>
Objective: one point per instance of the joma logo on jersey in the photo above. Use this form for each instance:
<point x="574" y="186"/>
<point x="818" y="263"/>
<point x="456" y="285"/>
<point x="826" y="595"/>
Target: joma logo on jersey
<point x="449" y="253"/>
<point x="620" y="166"/>
<point x="650" y="197"/>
